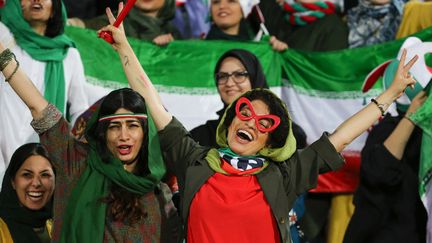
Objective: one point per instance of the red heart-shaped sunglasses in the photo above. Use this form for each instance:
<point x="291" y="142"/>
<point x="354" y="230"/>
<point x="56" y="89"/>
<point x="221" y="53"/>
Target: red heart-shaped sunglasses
<point x="274" y="120"/>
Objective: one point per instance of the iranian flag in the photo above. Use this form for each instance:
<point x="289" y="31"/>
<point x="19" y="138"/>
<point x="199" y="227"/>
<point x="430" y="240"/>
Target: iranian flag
<point x="320" y="89"/>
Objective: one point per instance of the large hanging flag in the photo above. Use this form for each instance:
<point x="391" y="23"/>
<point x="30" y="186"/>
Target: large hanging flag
<point x="320" y="89"/>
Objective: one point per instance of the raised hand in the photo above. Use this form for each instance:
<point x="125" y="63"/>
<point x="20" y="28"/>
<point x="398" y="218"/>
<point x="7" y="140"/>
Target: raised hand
<point x="403" y="78"/>
<point x="117" y="33"/>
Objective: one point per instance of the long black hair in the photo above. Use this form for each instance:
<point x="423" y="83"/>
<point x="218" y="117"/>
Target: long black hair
<point x="56" y="23"/>
<point x="21" y="220"/>
<point x="122" y="203"/>
<point x="130" y="100"/>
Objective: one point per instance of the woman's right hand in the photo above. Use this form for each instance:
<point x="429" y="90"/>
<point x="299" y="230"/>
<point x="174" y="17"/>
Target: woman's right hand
<point x="402" y="78"/>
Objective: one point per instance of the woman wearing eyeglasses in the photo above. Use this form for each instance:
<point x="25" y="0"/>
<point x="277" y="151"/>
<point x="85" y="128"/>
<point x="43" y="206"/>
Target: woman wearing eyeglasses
<point x="237" y="71"/>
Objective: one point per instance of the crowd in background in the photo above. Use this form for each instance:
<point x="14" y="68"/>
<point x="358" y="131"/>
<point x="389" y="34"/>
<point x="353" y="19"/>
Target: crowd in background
<point x="385" y="208"/>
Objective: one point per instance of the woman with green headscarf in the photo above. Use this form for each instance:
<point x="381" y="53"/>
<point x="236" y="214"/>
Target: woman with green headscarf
<point x="243" y="191"/>
<point x="105" y="187"/>
<point x="33" y="30"/>
<point x="147" y="20"/>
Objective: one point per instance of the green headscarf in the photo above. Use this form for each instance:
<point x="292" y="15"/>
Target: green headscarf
<point x="84" y="219"/>
<point x="275" y="154"/>
<point x="423" y="118"/>
<point x="52" y="51"/>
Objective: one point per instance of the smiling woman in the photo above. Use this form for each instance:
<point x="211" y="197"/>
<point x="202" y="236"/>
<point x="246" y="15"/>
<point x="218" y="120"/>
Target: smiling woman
<point x="25" y="199"/>
<point x="239" y="183"/>
<point x="254" y="175"/>
<point x="34" y="31"/>
<point x="236" y="72"/>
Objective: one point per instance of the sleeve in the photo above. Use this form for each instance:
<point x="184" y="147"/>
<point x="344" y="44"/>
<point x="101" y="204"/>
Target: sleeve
<point x="179" y="148"/>
<point x="202" y="135"/>
<point x="6" y="37"/>
<point x="317" y="158"/>
<point x="67" y="154"/>
<point x="77" y="98"/>
<point x="379" y="168"/>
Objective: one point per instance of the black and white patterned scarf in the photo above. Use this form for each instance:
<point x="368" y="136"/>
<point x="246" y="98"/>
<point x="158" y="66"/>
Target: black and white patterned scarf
<point x="241" y="163"/>
<point x="371" y="24"/>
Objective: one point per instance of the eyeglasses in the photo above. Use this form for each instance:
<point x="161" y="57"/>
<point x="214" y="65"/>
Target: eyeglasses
<point x="237" y="76"/>
<point x="264" y="123"/>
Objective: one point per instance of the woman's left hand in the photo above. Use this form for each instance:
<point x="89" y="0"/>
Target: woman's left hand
<point x="403" y="78"/>
<point x="277" y="45"/>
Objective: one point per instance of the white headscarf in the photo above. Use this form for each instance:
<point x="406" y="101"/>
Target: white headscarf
<point x="246" y="6"/>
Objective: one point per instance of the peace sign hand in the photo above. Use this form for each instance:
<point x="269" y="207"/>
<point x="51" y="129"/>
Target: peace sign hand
<point x="117" y="33"/>
<point x="403" y="78"/>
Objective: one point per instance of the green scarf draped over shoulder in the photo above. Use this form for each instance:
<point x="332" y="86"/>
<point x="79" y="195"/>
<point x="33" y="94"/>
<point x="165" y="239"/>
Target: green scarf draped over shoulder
<point x="52" y="51"/>
<point x="84" y="219"/>
<point x="274" y="154"/>
<point x="423" y="118"/>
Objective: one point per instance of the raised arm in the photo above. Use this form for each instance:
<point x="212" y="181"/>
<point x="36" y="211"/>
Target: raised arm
<point x="138" y="79"/>
<point x="21" y="84"/>
<point x="365" y="118"/>
<point x="398" y="139"/>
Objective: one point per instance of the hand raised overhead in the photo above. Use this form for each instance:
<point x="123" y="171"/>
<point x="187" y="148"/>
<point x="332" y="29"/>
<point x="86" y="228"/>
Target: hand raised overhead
<point x="117" y="33"/>
<point x="403" y="78"/>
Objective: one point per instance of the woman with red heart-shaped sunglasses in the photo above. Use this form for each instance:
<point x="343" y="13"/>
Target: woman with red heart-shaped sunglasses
<point x="238" y="192"/>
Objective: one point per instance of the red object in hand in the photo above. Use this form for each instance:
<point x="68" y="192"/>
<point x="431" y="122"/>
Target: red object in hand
<point x="2" y="3"/>
<point x="107" y="35"/>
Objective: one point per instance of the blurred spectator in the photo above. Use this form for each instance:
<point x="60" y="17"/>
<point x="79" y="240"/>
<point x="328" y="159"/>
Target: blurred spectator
<point x="416" y="17"/>
<point x="33" y="30"/>
<point x="324" y="33"/>
<point x="147" y="20"/>
<point x="374" y="22"/>
<point x="387" y="197"/>
<point x="191" y="19"/>
<point x="229" y="23"/>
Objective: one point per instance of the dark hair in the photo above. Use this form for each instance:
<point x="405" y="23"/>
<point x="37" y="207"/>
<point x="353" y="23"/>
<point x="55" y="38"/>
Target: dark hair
<point x="167" y="11"/>
<point x="24" y="152"/>
<point x="279" y="135"/>
<point x="56" y="23"/>
<point x="251" y="64"/>
<point x="123" y="204"/>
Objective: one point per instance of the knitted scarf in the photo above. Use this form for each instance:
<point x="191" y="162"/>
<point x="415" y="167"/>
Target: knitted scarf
<point x="138" y="25"/>
<point x="372" y="24"/>
<point x="52" y="51"/>
<point x="85" y="215"/>
<point x="306" y="13"/>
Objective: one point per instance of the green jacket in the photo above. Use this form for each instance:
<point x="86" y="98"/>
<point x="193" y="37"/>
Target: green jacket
<point x="280" y="182"/>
